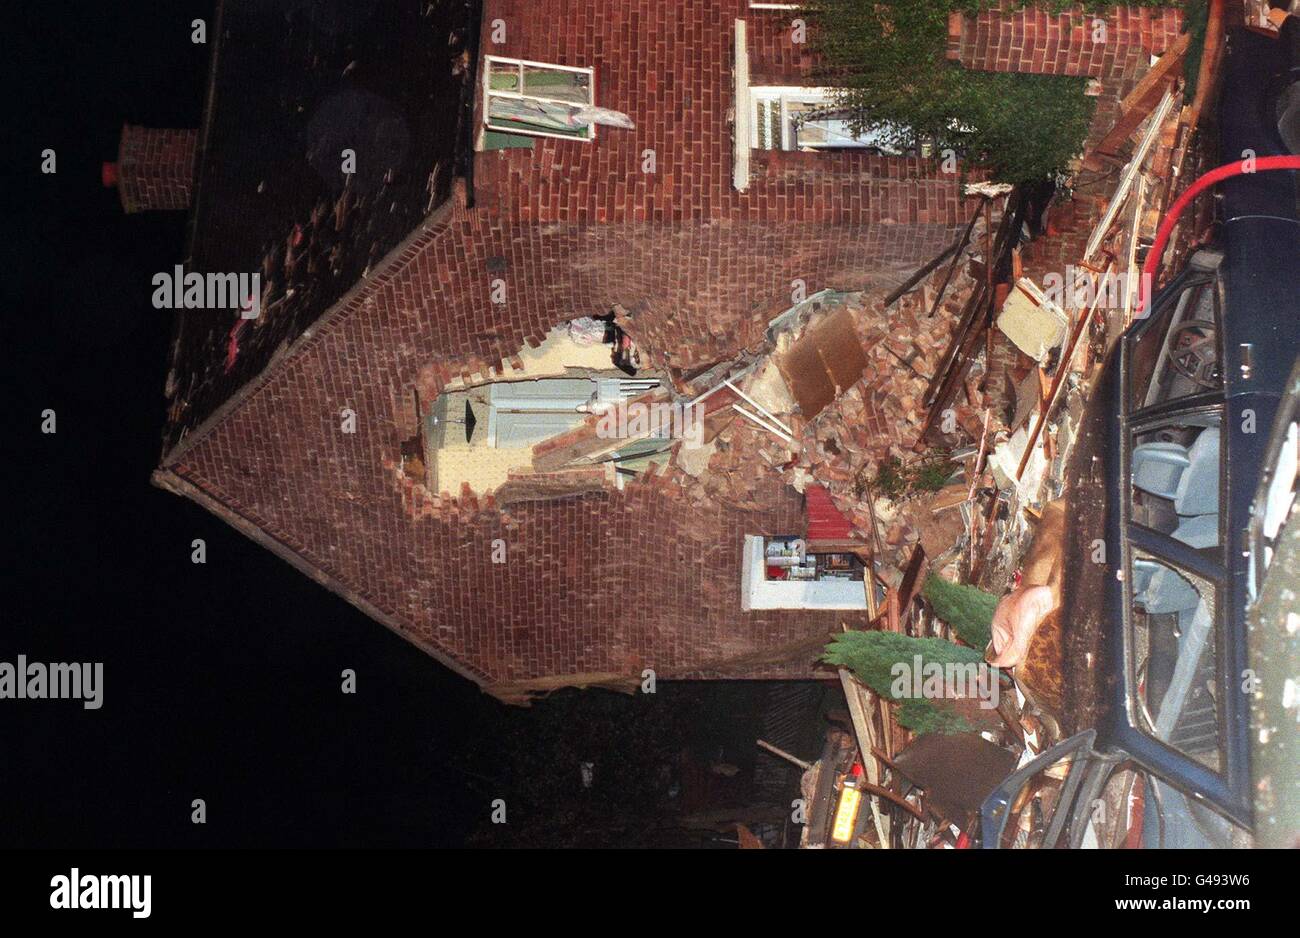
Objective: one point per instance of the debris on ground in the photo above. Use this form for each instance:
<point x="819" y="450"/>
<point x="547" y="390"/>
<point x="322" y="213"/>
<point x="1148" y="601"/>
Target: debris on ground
<point x="948" y="459"/>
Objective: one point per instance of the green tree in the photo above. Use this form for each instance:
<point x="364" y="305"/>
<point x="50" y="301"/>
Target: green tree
<point x="873" y="656"/>
<point x="888" y="56"/>
<point x="967" y="609"/>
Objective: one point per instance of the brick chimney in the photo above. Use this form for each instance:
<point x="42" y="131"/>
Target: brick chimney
<point x="154" y="169"/>
<point x="1006" y="39"/>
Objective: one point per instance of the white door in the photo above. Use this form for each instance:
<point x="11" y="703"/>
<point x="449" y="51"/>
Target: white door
<point x="525" y="412"/>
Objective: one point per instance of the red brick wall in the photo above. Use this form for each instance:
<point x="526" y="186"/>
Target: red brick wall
<point x="155" y="168"/>
<point x="602" y="582"/>
<point x="775" y="58"/>
<point x="719" y="255"/>
<point x="609" y="582"/>
<point x="669" y="67"/>
<point x="695" y="292"/>
<point x="1006" y="39"/>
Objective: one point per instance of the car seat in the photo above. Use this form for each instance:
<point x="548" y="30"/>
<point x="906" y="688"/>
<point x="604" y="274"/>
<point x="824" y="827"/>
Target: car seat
<point x="1197" y="492"/>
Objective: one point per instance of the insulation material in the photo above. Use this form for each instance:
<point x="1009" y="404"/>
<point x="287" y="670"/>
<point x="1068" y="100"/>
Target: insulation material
<point x="1006" y="460"/>
<point x="1030" y="320"/>
<point x="769" y="389"/>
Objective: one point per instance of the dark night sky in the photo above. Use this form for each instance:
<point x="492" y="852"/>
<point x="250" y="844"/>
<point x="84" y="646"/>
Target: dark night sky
<point x="222" y="681"/>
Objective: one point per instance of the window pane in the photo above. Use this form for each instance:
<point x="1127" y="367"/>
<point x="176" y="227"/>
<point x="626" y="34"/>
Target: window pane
<point x="503" y="76"/>
<point x="1176" y="469"/>
<point x="557" y="84"/>
<point x="1174" y="629"/>
<point x="1034" y="807"/>
<point x="527" y="114"/>
<point x="1179" y="354"/>
<point x="815" y="125"/>
<point x="826" y="132"/>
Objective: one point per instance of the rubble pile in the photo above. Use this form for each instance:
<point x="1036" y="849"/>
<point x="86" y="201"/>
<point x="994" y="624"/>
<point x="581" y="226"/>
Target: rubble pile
<point x="879" y="417"/>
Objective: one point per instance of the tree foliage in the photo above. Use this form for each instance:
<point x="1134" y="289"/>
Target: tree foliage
<point x="872" y="656"/>
<point x="967" y="609"/>
<point x="888" y="56"/>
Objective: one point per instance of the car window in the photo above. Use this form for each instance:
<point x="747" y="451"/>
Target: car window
<point x="1175" y="620"/>
<point x="1134" y="808"/>
<point x="1172" y="820"/>
<point x="1177" y="353"/>
<point x="1175" y="474"/>
<point x="1033" y="807"/>
<point x="1112" y="818"/>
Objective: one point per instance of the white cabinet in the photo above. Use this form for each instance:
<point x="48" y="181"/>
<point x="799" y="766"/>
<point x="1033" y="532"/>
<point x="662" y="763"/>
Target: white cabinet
<point x="758" y="592"/>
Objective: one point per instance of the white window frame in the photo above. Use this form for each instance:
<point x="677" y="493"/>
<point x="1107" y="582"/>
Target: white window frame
<point x="744" y="113"/>
<point x="757" y="592"/>
<point x="783" y="96"/>
<point x="489" y="92"/>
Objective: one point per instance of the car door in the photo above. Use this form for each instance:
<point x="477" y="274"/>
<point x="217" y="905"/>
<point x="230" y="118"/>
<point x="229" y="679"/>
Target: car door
<point x="1177" y="647"/>
<point x="1035" y="803"/>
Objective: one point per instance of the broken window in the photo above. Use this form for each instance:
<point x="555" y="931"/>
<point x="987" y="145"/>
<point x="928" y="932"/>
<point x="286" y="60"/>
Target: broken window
<point x="537" y="99"/>
<point x="1176" y="474"/>
<point x="787" y="560"/>
<point x="793" y="118"/>
<point x="1177" y="353"/>
<point x="779" y="573"/>
<point x="1176" y="469"/>
<point x="1175" y="614"/>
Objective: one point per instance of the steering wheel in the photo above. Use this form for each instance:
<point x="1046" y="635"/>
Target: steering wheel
<point x="1193" y="352"/>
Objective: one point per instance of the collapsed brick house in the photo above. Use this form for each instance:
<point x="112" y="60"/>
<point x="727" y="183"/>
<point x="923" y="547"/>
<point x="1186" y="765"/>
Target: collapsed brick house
<point x="452" y="261"/>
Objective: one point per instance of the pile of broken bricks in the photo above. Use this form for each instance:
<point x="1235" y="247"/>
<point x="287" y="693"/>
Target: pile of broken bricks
<point x="887" y="354"/>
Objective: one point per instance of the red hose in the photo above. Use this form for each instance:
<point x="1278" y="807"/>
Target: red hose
<point x="1237" y="168"/>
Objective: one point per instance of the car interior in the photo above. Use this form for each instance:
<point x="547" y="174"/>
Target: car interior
<point x="1176" y="470"/>
<point x="1181" y="357"/>
<point x="1175" y="473"/>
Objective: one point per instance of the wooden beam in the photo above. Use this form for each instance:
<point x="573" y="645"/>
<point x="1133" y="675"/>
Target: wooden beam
<point x="977" y="316"/>
<point x="1211" y="56"/>
<point x="1062" y="369"/>
<point x="924" y="271"/>
<point x="892" y="797"/>
<point x="781" y="753"/>
<point x="1130" y="174"/>
<point x="913" y="580"/>
<point x="965" y="239"/>
<point x="1139" y="102"/>
<point x="860" y="705"/>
